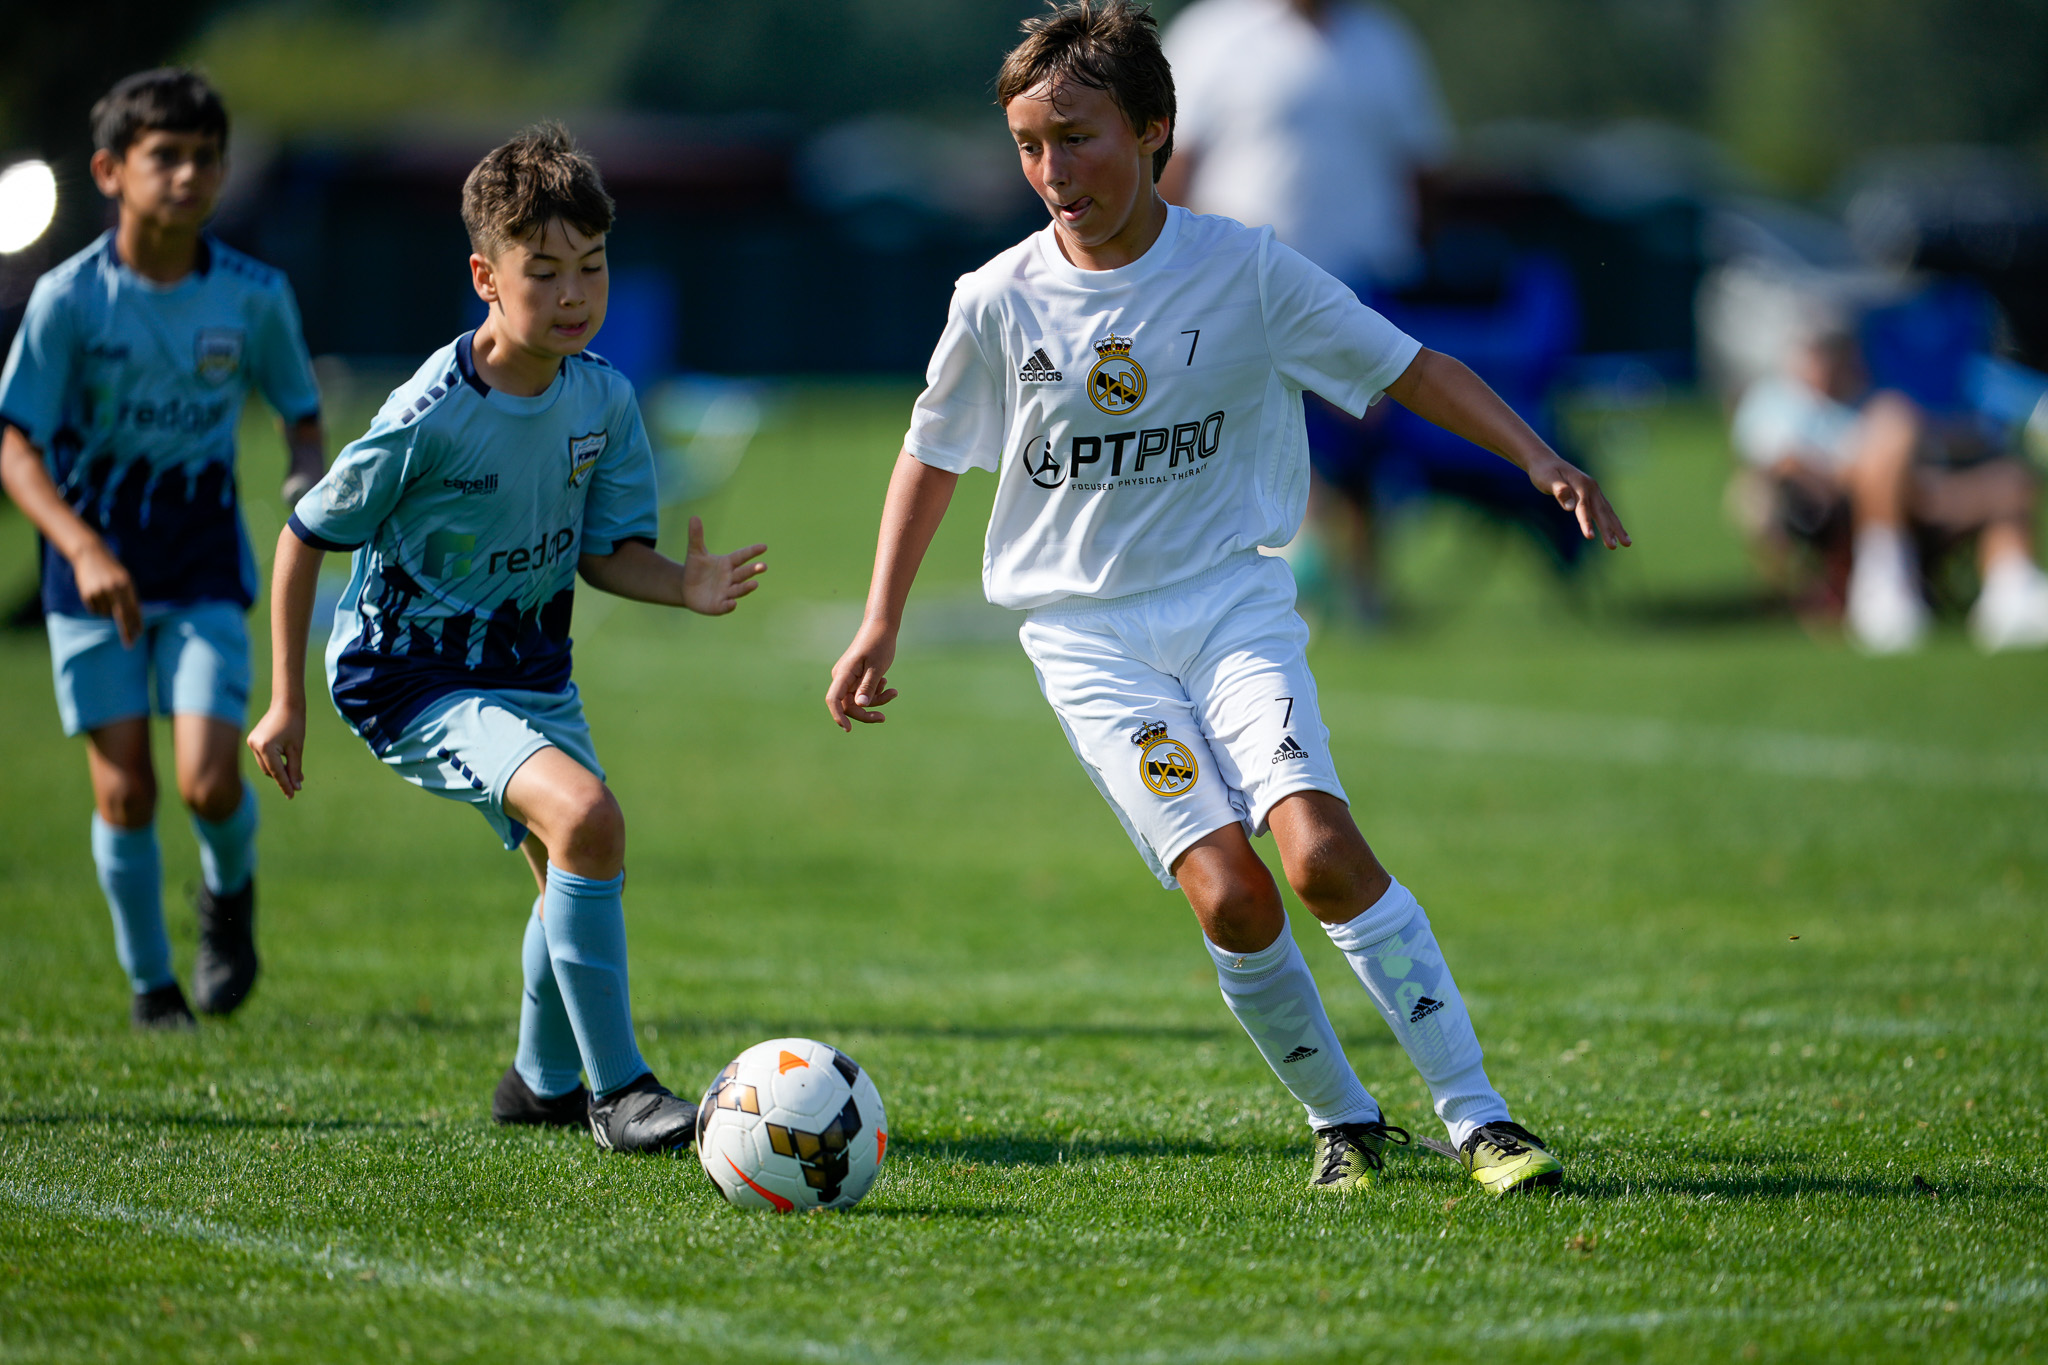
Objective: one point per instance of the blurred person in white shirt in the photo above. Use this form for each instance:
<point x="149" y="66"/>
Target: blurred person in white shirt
<point x="1312" y="116"/>
<point x="1840" y="459"/>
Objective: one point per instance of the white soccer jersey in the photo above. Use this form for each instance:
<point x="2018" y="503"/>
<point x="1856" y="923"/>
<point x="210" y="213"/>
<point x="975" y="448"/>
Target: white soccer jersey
<point x="1144" y="423"/>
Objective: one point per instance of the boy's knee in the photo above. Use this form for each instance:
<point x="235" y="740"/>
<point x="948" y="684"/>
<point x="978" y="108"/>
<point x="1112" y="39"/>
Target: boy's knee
<point x="212" y="796"/>
<point x="125" y="799"/>
<point x="1337" y="878"/>
<point x="1232" y="896"/>
<point x="595" y="826"/>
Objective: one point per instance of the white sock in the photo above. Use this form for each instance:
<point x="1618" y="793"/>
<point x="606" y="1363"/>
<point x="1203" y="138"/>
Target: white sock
<point x="1275" y="998"/>
<point x="1391" y="948"/>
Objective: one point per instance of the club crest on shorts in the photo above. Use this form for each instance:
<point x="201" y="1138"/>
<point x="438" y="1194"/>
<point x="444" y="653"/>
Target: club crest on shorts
<point x="583" y="454"/>
<point x="1116" y="383"/>
<point x="1164" y="763"/>
<point x="217" y="353"/>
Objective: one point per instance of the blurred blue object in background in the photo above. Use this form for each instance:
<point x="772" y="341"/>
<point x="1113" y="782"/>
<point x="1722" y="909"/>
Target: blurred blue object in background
<point x="1922" y="344"/>
<point x="639" y="333"/>
<point x="1514" y="318"/>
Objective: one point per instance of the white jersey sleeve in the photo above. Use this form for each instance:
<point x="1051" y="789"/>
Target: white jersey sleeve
<point x="1322" y="338"/>
<point x="959" y="420"/>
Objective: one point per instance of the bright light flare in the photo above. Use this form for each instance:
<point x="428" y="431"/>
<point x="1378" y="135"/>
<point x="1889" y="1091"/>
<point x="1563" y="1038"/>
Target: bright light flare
<point x="28" y="201"/>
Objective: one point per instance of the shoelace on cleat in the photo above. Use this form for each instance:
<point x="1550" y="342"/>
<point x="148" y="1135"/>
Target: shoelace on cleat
<point x="1347" y="1138"/>
<point x="1510" y="1139"/>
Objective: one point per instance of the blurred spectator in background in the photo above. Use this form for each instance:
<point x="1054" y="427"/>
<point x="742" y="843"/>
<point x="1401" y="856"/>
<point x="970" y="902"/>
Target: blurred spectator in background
<point x="1316" y="117"/>
<point x="1313" y="116"/>
<point x="1869" y="479"/>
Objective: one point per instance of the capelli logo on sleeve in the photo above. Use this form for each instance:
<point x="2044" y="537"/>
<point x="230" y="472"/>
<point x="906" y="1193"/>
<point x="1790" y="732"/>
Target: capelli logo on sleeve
<point x="466" y="487"/>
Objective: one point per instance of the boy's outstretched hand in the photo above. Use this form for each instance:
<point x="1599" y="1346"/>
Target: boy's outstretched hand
<point x="1578" y="493"/>
<point x="704" y="582"/>
<point x="714" y="584"/>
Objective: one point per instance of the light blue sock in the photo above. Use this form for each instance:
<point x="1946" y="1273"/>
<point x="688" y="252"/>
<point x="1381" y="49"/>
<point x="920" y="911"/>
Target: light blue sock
<point x="132" y="874"/>
<point x="227" y="848"/>
<point x="586" y="935"/>
<point x="547" y="1059"/>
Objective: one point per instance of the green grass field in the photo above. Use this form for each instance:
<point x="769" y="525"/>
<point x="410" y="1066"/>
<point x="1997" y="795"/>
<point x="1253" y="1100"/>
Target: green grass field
<point x="1750" y="925"/>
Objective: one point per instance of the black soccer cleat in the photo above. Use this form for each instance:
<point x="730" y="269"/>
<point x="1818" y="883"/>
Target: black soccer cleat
<point x="515" y="1102"/>
<point x="643" y="1117"/>
<point x="226" y="967"/>
<point x="162" y="1010"/>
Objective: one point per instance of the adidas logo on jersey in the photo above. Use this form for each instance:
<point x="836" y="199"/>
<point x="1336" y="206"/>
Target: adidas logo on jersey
<point x="1423" y="1009"/>
<point x="1299" y="1054"/>
<point x="1039" y="369"/>
<point x="1288" y="750"/>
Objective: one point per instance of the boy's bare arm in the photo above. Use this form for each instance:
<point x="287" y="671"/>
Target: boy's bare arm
<point x="709" y="584"/>
<point x="103" y="583"/>
<point x="279" y="739"/>
<point x="307" y="443"/>
<point x="918" y="497"/>
<point x="1441" y="389"/>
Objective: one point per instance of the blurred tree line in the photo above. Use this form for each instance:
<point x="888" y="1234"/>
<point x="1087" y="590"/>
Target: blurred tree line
<point x="1796" y="88"/>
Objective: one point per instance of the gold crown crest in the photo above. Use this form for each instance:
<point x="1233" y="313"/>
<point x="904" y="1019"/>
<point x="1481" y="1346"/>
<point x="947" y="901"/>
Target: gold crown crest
<point x="1113" y="345"/>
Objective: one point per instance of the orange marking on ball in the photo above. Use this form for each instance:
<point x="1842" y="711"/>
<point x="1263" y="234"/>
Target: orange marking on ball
<point x="881" y="1145"/>
<point x="789" y="1062"/>
<point x="781" y="1205"/>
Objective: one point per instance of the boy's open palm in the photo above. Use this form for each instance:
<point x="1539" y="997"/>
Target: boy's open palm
<point x="714" y="584"/>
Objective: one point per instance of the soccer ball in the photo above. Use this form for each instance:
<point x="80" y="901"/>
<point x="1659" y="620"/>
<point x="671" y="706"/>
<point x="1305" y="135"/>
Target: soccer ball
<point x="792" y="1124"/>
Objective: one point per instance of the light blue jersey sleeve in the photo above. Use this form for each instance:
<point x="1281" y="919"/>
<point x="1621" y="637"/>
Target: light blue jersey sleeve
<point x="283" y="372"/>
<point x="623" y="503"/>
<point x="40" y="366"/>
<point x="344" y="509"/>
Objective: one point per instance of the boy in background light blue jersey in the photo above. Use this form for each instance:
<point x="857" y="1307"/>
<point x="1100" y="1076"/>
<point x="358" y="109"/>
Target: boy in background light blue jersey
<point x="118" y="411"/>
<point x="513" y="460"/>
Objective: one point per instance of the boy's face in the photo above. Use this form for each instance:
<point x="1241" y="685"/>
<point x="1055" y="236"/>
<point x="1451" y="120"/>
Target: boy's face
<point x="169" y="180"/>
<point x="1092" y="169"/>
<point x="550" y="289"/>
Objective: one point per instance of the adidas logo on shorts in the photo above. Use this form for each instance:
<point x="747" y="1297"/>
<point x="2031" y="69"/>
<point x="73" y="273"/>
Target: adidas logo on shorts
<point x="1423" y="1009"/>
<point x="1288" y="750"/>
<point x="1039" y="369"/>
<point x="1299" y="1054"/>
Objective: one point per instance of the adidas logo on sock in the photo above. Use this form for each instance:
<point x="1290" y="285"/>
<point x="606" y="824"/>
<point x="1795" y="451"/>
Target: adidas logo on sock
<point x="1039" y="369"/>
<point x="1423" y="1009"/>
<point x="1288" y="750"/>
<point x="1298" y="1054"/>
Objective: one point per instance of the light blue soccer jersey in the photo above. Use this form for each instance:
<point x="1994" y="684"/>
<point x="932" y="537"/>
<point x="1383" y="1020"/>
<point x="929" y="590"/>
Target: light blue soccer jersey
<point x="133" y="391"/>
<point x="467" y="509"/>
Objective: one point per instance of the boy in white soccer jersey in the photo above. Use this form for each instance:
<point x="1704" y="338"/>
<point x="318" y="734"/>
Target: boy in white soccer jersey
<point x="1133" y="373"/>
<point x="118" y="411"/>
<point x="512" y="461"/>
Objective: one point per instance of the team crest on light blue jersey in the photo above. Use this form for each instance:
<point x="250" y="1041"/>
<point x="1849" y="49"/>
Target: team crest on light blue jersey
<point x="583" y="455"/>
<point x="218" y="351"/>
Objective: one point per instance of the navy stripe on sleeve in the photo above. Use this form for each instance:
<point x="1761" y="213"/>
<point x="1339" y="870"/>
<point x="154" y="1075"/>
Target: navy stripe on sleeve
<point x="318" y="542"/>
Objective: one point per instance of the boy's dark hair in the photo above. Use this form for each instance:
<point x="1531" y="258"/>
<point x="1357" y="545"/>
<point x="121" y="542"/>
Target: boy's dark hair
<point x="169" y="99"/>
<point x="541" y="175"/>
<point x="1112" y="45"/>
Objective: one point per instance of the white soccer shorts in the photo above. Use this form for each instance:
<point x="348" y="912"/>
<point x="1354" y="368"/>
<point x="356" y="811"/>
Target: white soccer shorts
<point x="1191" y="706"/>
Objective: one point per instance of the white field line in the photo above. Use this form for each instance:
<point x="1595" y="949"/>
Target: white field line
<point x="1588" y="739"/>
<point x="719" y="1329"/>
<point x="684" y="1324"/>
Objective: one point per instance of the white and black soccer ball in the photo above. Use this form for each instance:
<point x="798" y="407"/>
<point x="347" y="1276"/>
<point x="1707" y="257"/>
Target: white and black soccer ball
<point x="792" y="1124"/>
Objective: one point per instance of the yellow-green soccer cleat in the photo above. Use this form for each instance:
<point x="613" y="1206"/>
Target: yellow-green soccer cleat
<point x="1349" y="1153"/>
<point x="1505" y="1156"/>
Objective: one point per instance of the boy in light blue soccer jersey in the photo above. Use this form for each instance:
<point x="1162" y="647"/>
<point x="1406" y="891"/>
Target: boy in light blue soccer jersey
<point x="118" y="411"/>
<point x="512" y="461"/>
